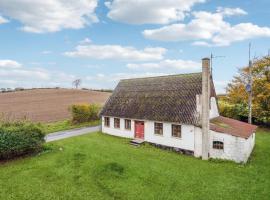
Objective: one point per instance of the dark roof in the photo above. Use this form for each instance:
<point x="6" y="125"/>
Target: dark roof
<point x="232" y="127"/>
<point x="165" y="98"/>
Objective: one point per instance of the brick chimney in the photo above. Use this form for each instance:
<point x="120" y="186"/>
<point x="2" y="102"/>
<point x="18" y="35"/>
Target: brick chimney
<point x="205" y="107"/>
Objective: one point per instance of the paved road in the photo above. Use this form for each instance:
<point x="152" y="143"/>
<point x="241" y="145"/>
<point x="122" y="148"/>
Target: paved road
<point x="71" y="133"/>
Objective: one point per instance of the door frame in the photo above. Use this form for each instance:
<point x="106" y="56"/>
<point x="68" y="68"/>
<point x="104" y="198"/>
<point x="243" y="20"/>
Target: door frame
<point x="135" y="122"/>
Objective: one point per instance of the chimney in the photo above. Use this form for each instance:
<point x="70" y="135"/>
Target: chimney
<point x="205" y="106"/>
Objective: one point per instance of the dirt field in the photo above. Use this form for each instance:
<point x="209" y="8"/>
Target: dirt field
<point x="46" y="105"/>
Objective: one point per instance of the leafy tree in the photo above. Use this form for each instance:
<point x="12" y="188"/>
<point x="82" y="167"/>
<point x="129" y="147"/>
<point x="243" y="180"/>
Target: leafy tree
<point x="77" y="83"/>
<point x="238" y="97"/>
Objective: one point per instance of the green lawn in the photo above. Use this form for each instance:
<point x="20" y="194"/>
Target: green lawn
<point x="66" y="125"/>
<point x="98" y="166"/>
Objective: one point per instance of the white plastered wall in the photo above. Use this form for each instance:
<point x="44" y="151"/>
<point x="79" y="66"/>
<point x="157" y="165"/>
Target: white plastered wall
<point x="186" y="141"/>
<point x="235" y="148"/>
<point x="213" y="106"/>
<point x="121" y="132"/>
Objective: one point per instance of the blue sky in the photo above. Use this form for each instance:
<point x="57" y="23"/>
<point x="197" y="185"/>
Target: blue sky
<point x="48" y="44"/>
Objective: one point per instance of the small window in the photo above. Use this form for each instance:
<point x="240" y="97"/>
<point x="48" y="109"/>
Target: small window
<point x="116" y="123"/>
<point x="158" y="128"/>
<point x="218" y="145"/>
<point x="176" y="130"/>
<point x="107" y="121"/>
<point x="127" y="124"/>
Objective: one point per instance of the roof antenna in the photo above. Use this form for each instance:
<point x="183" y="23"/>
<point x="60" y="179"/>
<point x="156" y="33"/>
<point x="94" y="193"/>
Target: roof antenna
<point x="211" y="62"/>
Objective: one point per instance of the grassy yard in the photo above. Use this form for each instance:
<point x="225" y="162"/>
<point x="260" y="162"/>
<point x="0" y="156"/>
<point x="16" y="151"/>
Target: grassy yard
<point x="98" y="166"/>
<point x="66" y="125"/>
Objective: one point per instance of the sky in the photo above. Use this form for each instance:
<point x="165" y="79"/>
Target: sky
<point x="51" y="43"/>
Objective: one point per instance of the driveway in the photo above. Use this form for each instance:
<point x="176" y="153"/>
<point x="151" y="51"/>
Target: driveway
<point x="71" y="133"/>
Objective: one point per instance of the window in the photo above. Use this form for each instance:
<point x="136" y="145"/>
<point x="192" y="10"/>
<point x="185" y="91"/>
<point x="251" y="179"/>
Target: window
<point x="158" y="128"/>
<point x="116" y="123"/>
<point x="218" y="145"/>
<point x="127" y="124"/>
<point x="176" y="130"/>
<point x="107" y="121"/>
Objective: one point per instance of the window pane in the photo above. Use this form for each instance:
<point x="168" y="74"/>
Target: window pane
<point x="176" y="130"/>
<point x="116" y="123"/>
<point x="107" y="121"/>
<point x="127" y="124"/>
<point x="159" y="128"/>
<point x="218" y="145"/>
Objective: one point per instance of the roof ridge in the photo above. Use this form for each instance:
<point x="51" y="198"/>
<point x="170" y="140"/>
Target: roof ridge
<point x="169" y="75"/>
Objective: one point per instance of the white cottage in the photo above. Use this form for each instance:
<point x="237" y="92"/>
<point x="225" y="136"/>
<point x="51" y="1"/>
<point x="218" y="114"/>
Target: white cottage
<point x="172" y="111"/>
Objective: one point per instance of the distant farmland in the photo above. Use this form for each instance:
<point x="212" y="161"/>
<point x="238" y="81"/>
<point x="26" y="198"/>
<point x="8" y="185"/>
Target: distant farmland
<point x="46" y="105"/>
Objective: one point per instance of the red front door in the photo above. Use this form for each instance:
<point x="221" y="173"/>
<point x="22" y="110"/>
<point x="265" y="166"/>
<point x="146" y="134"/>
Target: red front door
<point x="139" y="129"/>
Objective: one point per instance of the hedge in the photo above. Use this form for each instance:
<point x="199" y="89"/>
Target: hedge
<point x="20" y="138"/>
<point x="84" y="112"/>
<point x="240" y="112"/>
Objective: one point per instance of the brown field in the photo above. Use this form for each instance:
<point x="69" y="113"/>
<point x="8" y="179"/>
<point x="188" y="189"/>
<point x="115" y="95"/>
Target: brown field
<point x="46" y="105"/>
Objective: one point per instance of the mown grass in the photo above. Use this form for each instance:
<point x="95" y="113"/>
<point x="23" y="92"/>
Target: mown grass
<point x="66" y="125"/>
<point x="98" y="166"/>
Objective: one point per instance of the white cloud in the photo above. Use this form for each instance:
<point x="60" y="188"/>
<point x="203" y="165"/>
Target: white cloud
<point x="203" y="26"/>
<point x="187" y="65"/>
<point x="3" y="20"/>
<point x="85" y="41"/>
<point x="23" y="74"/>
<point x="117" y="52"/>
<point x="149" y="11"/>
<point x="14" y="74"/>
<point x="201" y="43"/>
<point x="9" y="64"/>
<point x="209" y="29"/>
<point x="111" y="80"/>
<point x="231" y="11"/>
<point x="240" y="32"/>
<point x="50" y="15"/>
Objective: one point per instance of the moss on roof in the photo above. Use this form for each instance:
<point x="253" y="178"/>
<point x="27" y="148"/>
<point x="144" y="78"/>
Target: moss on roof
<point x="165" y="98"/>
<point x="219" y="123"/>
<point x="232" y="127"/>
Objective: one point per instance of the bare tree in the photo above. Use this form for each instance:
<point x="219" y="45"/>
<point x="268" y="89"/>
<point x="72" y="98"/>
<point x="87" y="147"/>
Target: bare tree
<point x="76" y="83"/>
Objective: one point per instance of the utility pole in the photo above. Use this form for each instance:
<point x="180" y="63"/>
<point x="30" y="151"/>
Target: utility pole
<point x="249" y="87"/>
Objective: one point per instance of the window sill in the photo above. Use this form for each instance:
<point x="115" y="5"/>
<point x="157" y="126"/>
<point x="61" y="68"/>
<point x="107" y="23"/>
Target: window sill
<point x="219" y="150"/>
<point x="159" y="135"/>
<point x="178" y="138"/>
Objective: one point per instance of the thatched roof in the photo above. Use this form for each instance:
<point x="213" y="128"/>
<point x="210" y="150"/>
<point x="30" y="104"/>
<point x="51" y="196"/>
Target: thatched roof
<point x="166" y="98"/>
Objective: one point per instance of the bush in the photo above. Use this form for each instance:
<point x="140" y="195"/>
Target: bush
<point x="240" y="112"/>
<point x="235" y="111"/>
<point x="20" y="138"/>
<point x="84" y="112"/>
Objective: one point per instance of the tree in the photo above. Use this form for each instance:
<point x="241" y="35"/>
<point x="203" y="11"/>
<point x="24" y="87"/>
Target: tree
<point x="76" y="83"/>
<point x="238" y="96"/>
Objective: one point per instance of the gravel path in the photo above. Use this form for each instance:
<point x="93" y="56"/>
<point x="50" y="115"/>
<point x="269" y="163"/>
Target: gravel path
<point x="71" y="133"/>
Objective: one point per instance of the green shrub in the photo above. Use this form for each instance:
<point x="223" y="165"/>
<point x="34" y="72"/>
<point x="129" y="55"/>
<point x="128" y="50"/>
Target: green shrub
<point x="235" y="111"/>
<point x="84" y="112"/>
<point x="19" y="138"/>
<point x="239" y="111"/>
